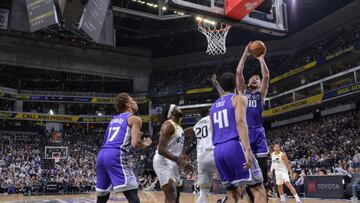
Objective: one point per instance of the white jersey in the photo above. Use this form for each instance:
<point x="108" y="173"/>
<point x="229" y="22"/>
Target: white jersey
<point x="277" y="163"/>
<point x="176" y="142"/>
<point x="203" y="135"/>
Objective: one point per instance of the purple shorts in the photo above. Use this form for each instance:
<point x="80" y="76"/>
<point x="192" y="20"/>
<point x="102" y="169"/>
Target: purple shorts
<point x="113" y="172"/>
<point x="229" y="160"/>
<point x="258" y="142"/>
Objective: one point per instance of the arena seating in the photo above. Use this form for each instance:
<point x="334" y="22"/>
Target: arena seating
<point x="169" y="82"/>
<point x="314" y="145"/>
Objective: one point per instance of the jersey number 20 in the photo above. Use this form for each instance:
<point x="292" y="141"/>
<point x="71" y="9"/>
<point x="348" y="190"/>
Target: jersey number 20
<point x="202" y="132"/>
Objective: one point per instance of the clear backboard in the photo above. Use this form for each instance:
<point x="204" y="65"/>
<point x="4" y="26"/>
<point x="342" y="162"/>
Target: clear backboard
<point x="274" y="22"/>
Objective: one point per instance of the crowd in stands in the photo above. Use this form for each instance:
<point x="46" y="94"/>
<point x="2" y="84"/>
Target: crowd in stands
<point x="21" y="78"/>
<point x="19" y="162"/>
<point x="74" y="108"/>
<point x="180" y="79"/>
<point x="328" y="145"/>
<point x="6" y="105"/>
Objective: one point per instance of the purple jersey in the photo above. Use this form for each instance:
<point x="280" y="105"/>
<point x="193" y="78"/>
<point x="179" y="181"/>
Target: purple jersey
<point x="117" y="134"/>
<point x="255" y="108"/>
<point x="223" y="120"/>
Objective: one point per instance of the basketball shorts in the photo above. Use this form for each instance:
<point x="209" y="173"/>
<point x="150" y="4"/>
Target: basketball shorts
<point x="258" y="142"/>
<point x="230" y="159"/>
<point x="206" y="168"/>
<point x="166" y="170"/>
<point x="281" y="177"/>
<point x="113" y="172"/>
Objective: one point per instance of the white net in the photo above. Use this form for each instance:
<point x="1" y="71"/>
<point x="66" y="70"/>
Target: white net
<point x="216" y="36"/>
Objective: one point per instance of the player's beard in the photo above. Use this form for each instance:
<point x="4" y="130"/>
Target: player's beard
<point x="253" y="86"/>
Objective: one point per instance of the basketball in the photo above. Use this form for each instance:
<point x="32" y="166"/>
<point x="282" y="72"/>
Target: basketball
<point x="257" y="48"/>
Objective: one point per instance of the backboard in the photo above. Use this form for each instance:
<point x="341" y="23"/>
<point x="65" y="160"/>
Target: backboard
<point x="274" y="23"/>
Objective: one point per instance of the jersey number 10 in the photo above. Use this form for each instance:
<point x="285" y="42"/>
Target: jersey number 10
<point x="252" y="103"/>
<point x="221" y="118"/>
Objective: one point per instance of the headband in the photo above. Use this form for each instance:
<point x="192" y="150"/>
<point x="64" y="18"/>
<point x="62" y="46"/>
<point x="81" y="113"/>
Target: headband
<point x="171" y="109"/>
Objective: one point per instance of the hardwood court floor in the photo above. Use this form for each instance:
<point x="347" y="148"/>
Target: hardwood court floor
<point x="146" y="197"/>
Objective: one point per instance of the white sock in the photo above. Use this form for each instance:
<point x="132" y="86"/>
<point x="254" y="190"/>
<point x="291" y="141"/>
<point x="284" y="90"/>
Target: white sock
<point x="282" y="197"/>
<point x="203" y="198"/>
<point x="297" y="197"/>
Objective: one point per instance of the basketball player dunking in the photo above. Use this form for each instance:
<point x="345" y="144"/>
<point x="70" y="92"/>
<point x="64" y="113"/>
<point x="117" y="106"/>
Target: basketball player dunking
<point x="280" y="164"/>
<point x="122" y="134"/>
<point x="205" y="155"/>
<point x="255" y="91"/>
<point x="169" y="157"/>
<point x="233" y="157"/>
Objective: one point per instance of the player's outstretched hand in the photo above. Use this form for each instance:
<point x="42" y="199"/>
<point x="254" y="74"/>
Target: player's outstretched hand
<point x="262" y="56"/>
<point x="248" y="163"/>
<point x="147" y="141"/>
<point x="247" y="49"/>
<point x="213" y="78"/>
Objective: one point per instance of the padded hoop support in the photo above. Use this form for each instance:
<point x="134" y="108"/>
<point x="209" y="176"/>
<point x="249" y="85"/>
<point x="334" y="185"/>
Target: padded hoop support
<point x="239" y="9"/>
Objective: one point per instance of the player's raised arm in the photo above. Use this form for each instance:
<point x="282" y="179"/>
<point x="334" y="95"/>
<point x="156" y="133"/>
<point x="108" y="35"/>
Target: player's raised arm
<point x="136" y="141"/>
<point x="265" y="76"/>
<point x="241" y="125"/>
<point x="240" y="81"/>
<point x="217" y="86"/>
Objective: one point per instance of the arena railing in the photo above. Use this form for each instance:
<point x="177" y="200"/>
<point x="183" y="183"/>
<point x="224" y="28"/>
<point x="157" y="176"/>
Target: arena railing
<point x="318" y="82"/>
<point x="60" y="93"/>
<point x="8" y="90"/>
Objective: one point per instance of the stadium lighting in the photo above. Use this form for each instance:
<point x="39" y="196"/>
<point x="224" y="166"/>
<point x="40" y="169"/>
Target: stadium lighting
<point x="198" y="18"/>
<point x="209" y="21"/>
<point x="51" y="112"/>
<point x="164" y="8"/>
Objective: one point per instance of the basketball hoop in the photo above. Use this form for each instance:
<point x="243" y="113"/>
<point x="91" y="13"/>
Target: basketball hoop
<point x="216" y="36"/>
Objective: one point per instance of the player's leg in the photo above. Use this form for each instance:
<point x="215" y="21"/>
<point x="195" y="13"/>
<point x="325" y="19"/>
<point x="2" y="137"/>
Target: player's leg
<point x="259" y="147"/>
<point x="262" y="152"/>
<point x="232" y="195"/>
<point x="206" y="168"/>
<point x="103" y="182"/>
<point x="256" y="185"/>
<point x="281" y="193"/>
<point x="178" y="192"/>
<point x="168" y="176"/>
<point x="122" y="177"/>
<point x="170" y="192"/>
<point x="259" y="193"/>
<point x="293" y="191"/>
<point x="132" y="196"/>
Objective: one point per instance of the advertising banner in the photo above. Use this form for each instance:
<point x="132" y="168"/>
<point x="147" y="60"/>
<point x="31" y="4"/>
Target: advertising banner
<point x="324" y="186"/>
